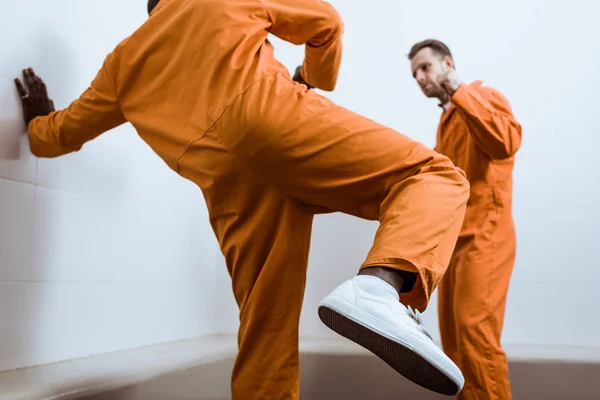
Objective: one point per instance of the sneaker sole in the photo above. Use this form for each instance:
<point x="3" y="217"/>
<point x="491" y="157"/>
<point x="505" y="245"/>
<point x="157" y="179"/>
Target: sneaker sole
<point x="401" y="358"/>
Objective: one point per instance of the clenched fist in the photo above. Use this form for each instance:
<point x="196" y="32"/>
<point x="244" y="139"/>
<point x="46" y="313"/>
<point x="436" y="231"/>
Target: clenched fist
<point x="298" y="78"/>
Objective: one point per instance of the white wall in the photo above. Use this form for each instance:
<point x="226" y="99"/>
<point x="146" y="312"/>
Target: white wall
<point x="545" y="57"/>
<point x="105" y="249"/>
<point x="108" y="249"/>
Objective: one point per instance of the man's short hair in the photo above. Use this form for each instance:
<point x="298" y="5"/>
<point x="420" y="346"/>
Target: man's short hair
<point x="151" y="5"/>
<point x="438" y="47"/>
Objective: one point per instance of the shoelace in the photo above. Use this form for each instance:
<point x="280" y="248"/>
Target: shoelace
<point x="416" y="315"/>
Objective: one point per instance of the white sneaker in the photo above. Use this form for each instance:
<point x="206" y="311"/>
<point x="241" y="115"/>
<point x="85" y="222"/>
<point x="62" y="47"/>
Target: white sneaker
<point x="367" y="310"/>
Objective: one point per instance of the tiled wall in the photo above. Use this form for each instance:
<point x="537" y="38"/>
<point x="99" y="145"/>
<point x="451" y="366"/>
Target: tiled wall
<point x="104" y="249"/>
<point x="548" y="75"/>
<point x="108" y="249"/>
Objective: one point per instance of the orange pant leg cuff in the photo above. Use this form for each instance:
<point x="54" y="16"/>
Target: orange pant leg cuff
<point x="418" y="298"/>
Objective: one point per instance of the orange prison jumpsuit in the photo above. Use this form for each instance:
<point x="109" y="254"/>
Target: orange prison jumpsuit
<point x="481" y="136"/>
<point x="200" y="84"/>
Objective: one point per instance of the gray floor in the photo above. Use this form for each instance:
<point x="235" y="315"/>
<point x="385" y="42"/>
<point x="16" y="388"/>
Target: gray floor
<point x="358" y="377"/>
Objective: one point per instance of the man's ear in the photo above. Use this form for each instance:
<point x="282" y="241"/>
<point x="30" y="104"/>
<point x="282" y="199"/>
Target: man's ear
<point x="449" y="61"/>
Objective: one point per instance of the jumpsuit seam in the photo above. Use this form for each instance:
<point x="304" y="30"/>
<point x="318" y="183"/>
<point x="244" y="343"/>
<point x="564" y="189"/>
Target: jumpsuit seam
<point x="243" y="162"/>
<point x="212" y="125"/>
<point x="111" y="81"/>
<point x="488" y="347"/>
<point x="271" y="184"/>
<point x="409" y="266"/>
<point x="266" y="10"/>
<point x="395" y="261"/>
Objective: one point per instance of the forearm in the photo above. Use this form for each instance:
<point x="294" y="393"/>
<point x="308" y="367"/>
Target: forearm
<point x="323" y="59"/>
<point x="66" y="131"/>
<point x="490" y="121"/>
<point x="318" y="26"/>
<point x="96" y="111"/>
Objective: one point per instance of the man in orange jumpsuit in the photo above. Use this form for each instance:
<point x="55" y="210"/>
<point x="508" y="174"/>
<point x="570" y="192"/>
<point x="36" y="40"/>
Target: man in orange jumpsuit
<point x="479" y="133"/>
<point x="200" y="84"/>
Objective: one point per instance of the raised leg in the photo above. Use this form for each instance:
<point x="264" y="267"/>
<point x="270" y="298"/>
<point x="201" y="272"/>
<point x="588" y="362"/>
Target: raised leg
<point x="326" y="158"/>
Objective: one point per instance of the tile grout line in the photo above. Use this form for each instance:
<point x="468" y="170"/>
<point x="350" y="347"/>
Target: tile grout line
<point x="61" y="190"/>
<point x="32" y="257"/>
<point x="5" y="178"/>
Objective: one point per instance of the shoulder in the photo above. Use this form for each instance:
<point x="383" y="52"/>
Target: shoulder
<point x="491" y="93"/>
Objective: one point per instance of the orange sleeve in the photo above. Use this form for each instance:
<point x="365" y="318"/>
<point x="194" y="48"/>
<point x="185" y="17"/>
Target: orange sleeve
<point x="316" y="24"/>
<point x="66" y="131"/>
<point x="490" y="120"/>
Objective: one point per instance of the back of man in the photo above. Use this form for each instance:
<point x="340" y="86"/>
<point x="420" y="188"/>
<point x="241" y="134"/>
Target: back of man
<point x="207" y="51"/>
<point x="480" y="135"/>
<point x="200" y="84"/>
<point x="176" y="74"/>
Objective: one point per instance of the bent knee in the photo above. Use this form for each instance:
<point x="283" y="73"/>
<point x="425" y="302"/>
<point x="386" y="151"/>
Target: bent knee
<point x="454" y="179"/>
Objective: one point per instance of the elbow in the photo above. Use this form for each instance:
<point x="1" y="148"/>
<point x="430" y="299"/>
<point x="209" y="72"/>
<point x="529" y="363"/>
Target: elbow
<point x="322" y="75"/>
<point x="337" y="25"/>
<point x="324" y="52"/>
<point x="514" y="144"/>
<point x="331" y="29"/>
<point x="502" y="154"/>
<point x="506" y="150"/>
<point x="510" y="146"/>
<point x="328" y="86"/>
<point x="326" y="82"/>
<point x="334" y="21"/>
